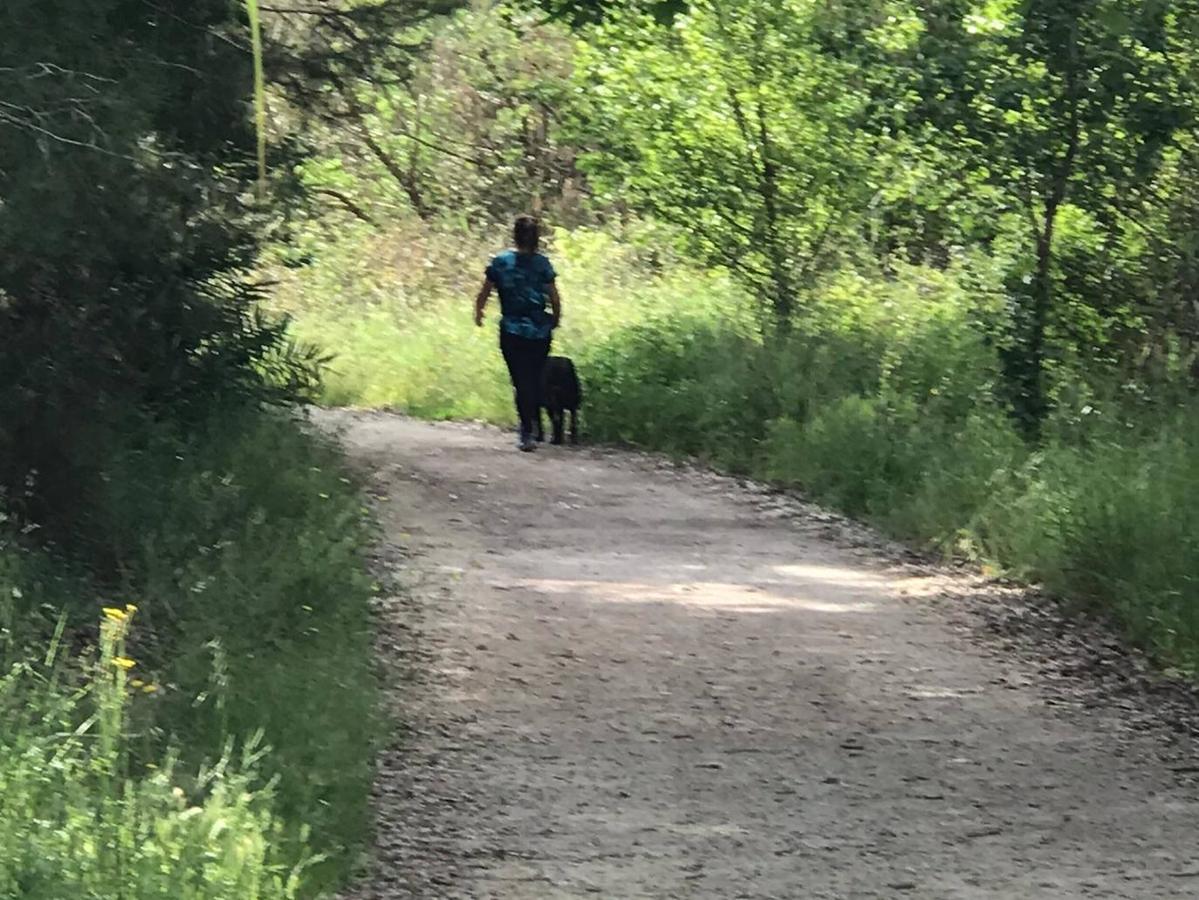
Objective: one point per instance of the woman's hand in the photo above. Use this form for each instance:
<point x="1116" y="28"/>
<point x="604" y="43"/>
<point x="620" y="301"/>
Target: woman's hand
<point x="481" y="301"/>
<point x="556" y="305"/>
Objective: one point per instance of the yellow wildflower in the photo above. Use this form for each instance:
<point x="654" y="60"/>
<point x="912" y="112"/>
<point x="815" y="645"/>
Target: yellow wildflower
<point x="137" y="682"/>
<point x="130" y="608"/>
<point x="115" y="615"/>
<point x="150" y="689"/>
<point x="123" y="662"/>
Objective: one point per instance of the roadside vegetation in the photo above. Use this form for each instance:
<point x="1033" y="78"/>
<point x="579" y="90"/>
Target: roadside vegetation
<point x="187" y="701"/>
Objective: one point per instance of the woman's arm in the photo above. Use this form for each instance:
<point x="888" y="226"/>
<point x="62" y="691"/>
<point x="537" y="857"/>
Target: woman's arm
<point x="556" y="303"/>
<point x="481" y="300"/>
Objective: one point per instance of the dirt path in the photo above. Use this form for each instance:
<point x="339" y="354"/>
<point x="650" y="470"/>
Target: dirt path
<point x="637" y="681"/>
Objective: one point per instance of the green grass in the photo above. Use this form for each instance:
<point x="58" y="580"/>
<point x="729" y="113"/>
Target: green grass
<point x="75" y="819"/>
<point x="395" y="312"/>
<point x="242" y="544"/>
<point x="881" y="403"/>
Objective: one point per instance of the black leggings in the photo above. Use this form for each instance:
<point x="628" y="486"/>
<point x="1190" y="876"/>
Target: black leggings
<point x="526" y="360"/>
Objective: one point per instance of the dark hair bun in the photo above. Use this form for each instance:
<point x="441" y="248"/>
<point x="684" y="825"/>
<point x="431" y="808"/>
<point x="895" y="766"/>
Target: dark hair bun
<point x="527" y="233"/>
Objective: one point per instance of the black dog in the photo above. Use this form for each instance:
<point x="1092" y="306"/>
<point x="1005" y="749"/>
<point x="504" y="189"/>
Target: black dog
<point x="560" y="393"/>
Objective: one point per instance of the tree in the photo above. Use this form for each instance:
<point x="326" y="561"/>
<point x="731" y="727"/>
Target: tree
<point x="470" y="133"/>
<point x="1058" y="105"/>
<point x="589" y="12"/>
<point x="731" y="127"/>
<point x="328" y="61"/>
<point x="315" y="46"/>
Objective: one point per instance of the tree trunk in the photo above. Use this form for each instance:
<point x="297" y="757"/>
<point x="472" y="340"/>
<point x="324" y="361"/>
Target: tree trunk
<point x="1031" y="397"/>
<point x="782" y="286"/>
<point x="1035" y="401"/>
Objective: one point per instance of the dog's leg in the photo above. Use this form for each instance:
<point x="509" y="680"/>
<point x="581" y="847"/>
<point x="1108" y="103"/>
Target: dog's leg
<point x="574" y="426"/>
<point x="559" y="422"/>
<point x="540" y="427"/>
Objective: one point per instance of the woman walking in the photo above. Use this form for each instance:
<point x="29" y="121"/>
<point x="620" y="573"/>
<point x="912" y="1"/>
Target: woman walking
<point x="525" y="280"/>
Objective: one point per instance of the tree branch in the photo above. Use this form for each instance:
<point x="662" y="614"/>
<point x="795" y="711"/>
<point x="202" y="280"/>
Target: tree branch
<point x="349" y="204"/>
<point x="404" y="179"/>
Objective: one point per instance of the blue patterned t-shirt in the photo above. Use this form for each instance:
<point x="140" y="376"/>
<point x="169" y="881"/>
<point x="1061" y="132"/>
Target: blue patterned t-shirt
<point x="523" y="281"/>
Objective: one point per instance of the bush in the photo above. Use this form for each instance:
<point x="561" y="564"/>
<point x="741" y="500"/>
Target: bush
<point x="1117" y="530"/>
<point x="683" y="385"/>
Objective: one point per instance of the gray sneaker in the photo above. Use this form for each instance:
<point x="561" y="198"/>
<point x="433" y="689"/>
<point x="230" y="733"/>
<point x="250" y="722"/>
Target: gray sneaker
<point x="526" y="444"/>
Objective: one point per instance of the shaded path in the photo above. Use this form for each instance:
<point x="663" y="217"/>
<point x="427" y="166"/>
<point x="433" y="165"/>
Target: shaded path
<point x="645" y="682"/>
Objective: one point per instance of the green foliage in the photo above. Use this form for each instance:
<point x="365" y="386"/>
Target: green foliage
<point x="146" y="454"/>
<point x="124" y="242"/>
<point x="583" y="12"/>
<point x="644" y="387"/>
<point x="731" y="127"/>
<point x="468" y="136"/>
<point x="315" y="50"/>
<point x="79" y="818"/>
<point x="1070" y="105"/>
<point x="788" y="141"/>
<point x="255" y="550"/>
<point x="793" y="144"/>
<point x="1113" y="526"/>
<point x="241" y="543"/>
